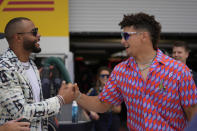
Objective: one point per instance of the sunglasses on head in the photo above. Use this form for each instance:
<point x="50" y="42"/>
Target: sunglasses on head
<point x="104" y="75"/>
<point x="126" y="35"/>
<point x="34" y="32"/>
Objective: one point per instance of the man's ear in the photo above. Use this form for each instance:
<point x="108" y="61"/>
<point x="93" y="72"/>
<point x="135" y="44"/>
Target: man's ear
<point x="145" y="36"/>
<point x="17" y="37"/>
<point x="187" y="53"/>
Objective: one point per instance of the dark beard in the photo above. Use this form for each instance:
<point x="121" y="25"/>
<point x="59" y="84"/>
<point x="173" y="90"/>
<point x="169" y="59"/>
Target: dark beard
<point x="36" y="50"/>
<point x="30" y="46"/>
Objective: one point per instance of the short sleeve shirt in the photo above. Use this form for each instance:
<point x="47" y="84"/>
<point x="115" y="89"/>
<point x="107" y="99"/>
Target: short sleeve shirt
<point x="157" y="103"/>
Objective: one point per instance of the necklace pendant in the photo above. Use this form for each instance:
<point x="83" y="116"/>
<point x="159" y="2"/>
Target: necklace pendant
<point x="147" y="63"/>
<point x="142" y="69"/>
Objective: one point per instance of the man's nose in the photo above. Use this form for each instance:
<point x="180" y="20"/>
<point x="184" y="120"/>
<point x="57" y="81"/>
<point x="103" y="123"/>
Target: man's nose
<point x="38" y="35"/>
<point x="122" y="41"/>
<point x="176" y="54"/>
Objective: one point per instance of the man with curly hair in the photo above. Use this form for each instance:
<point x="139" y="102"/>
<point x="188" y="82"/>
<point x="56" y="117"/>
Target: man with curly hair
<point x="158" y="91"/>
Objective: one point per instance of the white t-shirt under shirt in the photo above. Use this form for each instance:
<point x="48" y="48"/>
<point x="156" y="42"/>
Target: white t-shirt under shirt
<point x="31" y="75"/>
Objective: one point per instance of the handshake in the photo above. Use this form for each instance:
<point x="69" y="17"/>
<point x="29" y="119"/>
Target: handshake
<point x="68" y="92"/>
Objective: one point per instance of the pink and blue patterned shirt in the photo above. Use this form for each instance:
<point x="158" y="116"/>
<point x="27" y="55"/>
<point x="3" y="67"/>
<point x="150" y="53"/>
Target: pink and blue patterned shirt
<point x="157" y="103"/>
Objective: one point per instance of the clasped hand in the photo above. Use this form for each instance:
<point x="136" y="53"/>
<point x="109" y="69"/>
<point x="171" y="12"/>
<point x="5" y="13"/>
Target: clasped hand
<point x="69" y="92"/>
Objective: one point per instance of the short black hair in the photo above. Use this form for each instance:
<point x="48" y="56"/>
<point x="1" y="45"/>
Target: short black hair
<point x="181" y="44"/>
<point x="11" y="26"/>
<point x="143" y="21"/>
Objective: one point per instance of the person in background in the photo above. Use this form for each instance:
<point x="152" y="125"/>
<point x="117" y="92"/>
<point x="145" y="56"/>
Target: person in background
<point x="14" y="125"/>
<point x="110" y="120"/>
<point x="158" y="91"/>
<point x="20" y="86"/>
<point x="180" y="52"/>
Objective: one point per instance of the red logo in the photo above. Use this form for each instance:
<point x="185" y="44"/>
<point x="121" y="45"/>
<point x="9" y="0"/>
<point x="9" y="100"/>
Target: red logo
<point x="1" y="1"/>
<point x="50" y="3"/>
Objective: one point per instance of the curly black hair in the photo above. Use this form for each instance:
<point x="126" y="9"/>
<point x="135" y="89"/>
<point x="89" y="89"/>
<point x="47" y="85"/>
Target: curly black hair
<point x="143" y="21"/>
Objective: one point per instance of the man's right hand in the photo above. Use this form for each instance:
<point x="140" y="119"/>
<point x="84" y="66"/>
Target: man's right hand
<point x="66" y="91"/>
<point x="14" y="125"/>
<point x="77" y="93"/>
<point x="94" y="115"/>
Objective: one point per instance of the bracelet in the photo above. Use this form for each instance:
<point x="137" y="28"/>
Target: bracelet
<point x="78" y="97"/>
<point x="61" y="100"/>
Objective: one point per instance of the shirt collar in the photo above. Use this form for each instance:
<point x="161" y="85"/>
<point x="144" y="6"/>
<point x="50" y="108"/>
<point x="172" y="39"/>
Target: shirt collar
<point x="160" y="58"/>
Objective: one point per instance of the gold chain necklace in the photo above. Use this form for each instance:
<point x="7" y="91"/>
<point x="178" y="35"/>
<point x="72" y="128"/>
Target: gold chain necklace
<point x="146" y="67"/>
<point x="145" y="63"/>
<point x="148" y="64"/>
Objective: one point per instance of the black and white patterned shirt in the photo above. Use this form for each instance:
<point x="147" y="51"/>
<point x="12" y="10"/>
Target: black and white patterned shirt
<point x="16" y="95"/>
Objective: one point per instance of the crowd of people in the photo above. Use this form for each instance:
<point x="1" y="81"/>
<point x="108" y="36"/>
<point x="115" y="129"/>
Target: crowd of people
<point x="159" y="92"/>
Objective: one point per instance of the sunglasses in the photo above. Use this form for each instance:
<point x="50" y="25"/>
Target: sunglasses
<point x="104" y="75"/>
<point x="126" y="35"/>
<point x="34" y="32"/>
